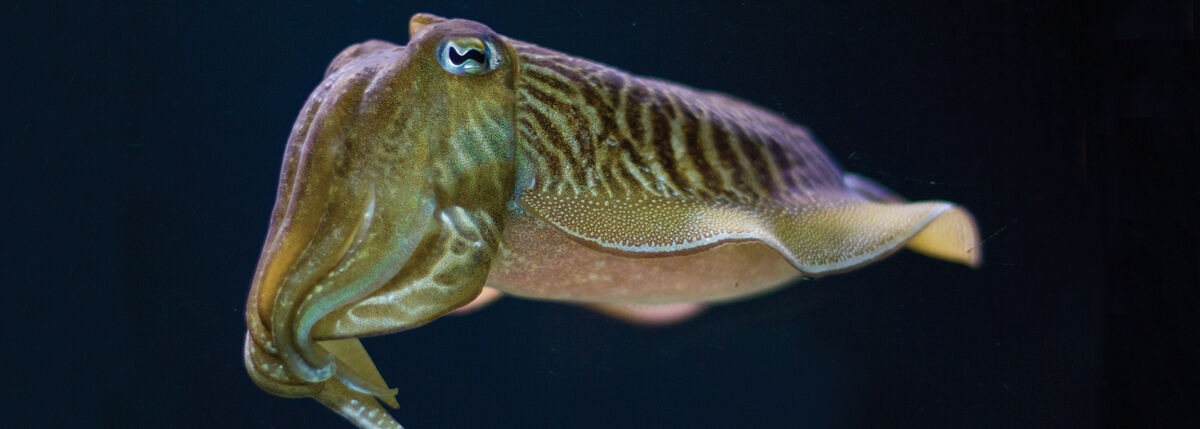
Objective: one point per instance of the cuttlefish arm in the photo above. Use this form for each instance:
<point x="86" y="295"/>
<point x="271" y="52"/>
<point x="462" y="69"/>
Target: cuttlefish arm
<point x="387" y="215"/>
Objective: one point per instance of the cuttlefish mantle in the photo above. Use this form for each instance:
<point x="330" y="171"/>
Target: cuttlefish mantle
<point x="417" y="175"/>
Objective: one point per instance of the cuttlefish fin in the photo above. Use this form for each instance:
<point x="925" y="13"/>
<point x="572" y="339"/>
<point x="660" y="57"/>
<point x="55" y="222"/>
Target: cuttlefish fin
<point x="953" y="237"/>
<point x="844" y="235"/>
<point x="818" y="236"/>
<point x="650" y="314"/>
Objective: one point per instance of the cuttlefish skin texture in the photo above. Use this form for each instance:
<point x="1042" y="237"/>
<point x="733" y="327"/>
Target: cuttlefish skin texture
<point x="417" y="175"/>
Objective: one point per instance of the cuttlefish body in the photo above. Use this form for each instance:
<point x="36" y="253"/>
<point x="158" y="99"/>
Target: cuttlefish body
<point x="417" y="175"/>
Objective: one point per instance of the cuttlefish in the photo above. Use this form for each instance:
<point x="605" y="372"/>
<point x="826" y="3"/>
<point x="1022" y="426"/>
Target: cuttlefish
<point x="417" y="175"/>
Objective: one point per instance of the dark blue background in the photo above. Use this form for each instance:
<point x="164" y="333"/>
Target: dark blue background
<point x="142" y="158"/>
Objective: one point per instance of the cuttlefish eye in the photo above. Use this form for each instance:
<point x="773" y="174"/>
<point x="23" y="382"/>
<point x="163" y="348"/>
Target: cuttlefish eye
<point x="468" y="55"/>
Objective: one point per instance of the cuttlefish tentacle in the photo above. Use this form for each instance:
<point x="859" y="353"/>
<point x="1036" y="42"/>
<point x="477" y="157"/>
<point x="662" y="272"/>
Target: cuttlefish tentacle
<point x="415" y="175"/>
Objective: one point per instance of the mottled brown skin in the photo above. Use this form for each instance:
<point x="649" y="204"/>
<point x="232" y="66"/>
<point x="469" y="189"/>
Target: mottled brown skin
<point x="406" y="188"/>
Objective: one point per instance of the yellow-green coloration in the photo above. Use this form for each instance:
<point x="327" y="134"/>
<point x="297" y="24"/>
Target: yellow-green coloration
<point x="415" y="175"/>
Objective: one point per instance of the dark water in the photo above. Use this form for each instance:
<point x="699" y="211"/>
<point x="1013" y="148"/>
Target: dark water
<point x="148" y="138"/>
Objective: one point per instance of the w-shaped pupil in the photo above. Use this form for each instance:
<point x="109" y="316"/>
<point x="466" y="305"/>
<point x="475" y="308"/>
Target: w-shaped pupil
<point x="472" y="54"/>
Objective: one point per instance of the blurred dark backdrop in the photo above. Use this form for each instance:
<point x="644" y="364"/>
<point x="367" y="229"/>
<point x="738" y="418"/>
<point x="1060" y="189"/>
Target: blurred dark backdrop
<point x="144" y="141"/>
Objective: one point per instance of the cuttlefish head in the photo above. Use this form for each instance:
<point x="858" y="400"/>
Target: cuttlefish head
<point x="391" y="134"/>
